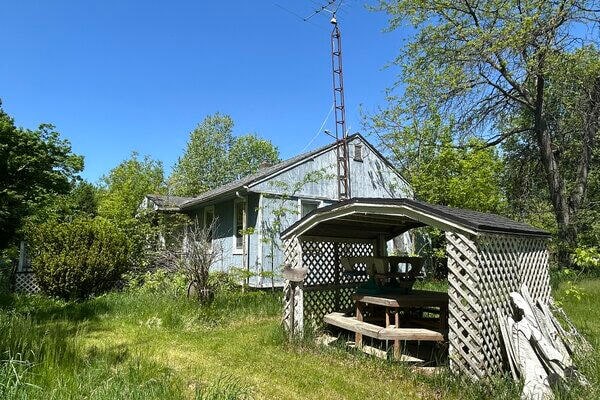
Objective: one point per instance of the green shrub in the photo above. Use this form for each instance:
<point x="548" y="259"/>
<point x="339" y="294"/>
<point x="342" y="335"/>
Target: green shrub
<point x="6" y="267"/>
<point x="587" y="258"/>
<point x="74" y="260"/>
<point x="161" y="281"/>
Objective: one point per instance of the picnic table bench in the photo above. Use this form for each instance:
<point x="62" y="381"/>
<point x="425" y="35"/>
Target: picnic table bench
<point x="393" y="303"/>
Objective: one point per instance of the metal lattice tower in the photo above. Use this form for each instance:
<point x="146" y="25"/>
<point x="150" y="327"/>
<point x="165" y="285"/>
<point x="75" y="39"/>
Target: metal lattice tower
<point x="341" y="135"/>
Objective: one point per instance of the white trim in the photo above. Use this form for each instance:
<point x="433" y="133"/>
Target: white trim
<point x="259" y="233"/>
<point x="318" y="203"/>
<point x="235" y="249"/>
<point x="380" y="209"/>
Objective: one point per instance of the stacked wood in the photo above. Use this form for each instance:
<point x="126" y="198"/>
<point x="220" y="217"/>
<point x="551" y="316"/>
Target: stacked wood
<point x="538" y="348"/>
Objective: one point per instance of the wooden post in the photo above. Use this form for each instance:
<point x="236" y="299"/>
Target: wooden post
<point x="22" y="256"/>
<point x="397" y="348"/>
<point x="359" y="317"/>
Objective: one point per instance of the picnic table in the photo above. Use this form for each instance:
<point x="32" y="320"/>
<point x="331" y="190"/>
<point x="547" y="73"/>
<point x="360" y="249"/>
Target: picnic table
<point x="416" y="300"/>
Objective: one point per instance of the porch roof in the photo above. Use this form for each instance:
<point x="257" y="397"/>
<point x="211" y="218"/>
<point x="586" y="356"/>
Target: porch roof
<point x="372" y="217"/>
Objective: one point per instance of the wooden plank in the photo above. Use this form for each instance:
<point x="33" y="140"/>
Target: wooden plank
<point x="413" y="299"/>
<point x="411" y="334"/>
<point x="506" y="339"/>
<point x="351" y="324"/>
<point x="378" y="332"/>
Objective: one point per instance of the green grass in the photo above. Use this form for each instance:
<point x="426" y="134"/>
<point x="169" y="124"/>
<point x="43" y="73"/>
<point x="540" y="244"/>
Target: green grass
<point x="144" y="345"/>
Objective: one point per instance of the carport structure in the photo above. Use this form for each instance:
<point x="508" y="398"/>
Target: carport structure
<point x="489" y="256"/>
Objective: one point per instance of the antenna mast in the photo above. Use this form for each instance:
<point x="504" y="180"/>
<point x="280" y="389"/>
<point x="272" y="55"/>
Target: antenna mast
<point x="341" y="134"/>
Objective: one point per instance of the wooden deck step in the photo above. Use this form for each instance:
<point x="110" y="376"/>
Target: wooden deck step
<point x="378" y="332"/>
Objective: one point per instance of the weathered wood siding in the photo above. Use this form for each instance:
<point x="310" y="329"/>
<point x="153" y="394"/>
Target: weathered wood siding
<point x="224" y="233"/>
<point x="372" y="176"/>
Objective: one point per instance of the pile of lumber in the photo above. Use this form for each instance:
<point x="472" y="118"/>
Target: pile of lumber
<point x="538" y="348"/>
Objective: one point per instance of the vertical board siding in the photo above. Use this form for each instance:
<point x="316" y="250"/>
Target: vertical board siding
<point x="371" y="177"/>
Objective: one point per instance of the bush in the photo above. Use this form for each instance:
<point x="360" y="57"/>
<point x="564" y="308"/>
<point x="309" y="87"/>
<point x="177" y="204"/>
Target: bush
<point x="74" y="260"/>
<point x="587" y="258"/>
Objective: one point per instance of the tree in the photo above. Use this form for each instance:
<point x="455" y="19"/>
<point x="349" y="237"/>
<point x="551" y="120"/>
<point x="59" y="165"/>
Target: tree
<point x="213" y="157"/>
<point x="81" y="201"/>
<point x="203" y="166"/>
<point x="248" y="153"/>
<point x="443" y="173"/>
<point x="34" y="166"/>
<point x="126" y="185"/>
<point x="488" y="64"/>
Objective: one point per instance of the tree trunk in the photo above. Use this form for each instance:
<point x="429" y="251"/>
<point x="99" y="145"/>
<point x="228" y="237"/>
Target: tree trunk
<point x="567" y="234"/>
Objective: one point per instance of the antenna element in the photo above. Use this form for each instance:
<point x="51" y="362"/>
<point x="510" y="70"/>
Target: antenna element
<point x="341" y="134"/>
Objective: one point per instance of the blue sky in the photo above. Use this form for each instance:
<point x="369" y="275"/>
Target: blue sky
<point x="122" y="76"/>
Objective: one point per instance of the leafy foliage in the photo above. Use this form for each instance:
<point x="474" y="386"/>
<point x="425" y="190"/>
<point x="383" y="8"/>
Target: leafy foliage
<point x="74" y="260"/>
<point x="214" y="157"/>
<point x="34" y="166"/>
<point x="442" y="172"/>
<point x="499" y="69"/>
<point x="248" y="153"/>
<point x="587" y="258"/>
<point x="126" y="185"/>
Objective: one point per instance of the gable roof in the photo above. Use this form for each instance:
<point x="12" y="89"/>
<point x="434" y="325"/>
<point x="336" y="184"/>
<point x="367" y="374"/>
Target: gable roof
<point x="367" y="217"/>
<point x="167" y="202"/>
<point x="268" y="172"/>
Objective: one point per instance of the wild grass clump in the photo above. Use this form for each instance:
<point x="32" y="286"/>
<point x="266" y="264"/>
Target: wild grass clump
<point x="45" y="362"/>
<point x="223" y="388"/>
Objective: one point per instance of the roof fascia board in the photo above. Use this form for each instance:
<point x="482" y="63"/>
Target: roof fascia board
<point x="294" y="165"/>
<point x="390" y="210"/>
<point x="228" y="195"/>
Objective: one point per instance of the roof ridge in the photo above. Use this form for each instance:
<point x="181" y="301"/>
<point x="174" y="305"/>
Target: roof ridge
<point x="260" y="174"/>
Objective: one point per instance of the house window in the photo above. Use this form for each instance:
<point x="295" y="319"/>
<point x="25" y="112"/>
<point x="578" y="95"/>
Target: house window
<point x="209" y="217"/>
<point x="239" y="225"/>
<point x="306" y="206"/>
<point x="358" y="152"/>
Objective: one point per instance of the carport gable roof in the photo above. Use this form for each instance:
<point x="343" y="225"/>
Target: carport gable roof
<point x="370" y="217"/>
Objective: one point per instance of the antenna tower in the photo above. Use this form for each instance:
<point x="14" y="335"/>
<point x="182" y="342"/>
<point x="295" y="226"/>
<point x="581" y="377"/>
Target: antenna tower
<point x="341" y="134"/>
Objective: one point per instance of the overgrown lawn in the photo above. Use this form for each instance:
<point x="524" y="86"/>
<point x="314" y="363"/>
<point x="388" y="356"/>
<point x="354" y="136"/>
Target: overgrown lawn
<point x="145" y="345"/>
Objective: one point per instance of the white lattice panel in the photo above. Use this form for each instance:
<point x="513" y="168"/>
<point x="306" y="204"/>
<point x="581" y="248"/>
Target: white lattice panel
<point x="25" y="282"/>
<point x="464" y="308"/>
<point x="482" y="271"/>
<point x="533" y="267"/>
<point x="499" y="272"/>
<point x="322" y="258"/>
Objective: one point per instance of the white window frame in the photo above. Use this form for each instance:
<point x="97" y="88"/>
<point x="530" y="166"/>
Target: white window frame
<point x="358" y="148"/>
<point x="318" y="203"/>
<point x="240" y="250"/>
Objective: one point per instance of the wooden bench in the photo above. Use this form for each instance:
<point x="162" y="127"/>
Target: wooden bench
<point x="379" y="332"/>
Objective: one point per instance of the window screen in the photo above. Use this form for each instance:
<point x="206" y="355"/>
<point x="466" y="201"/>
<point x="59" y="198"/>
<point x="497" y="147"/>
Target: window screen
<point x="307" y="206"/>
<point x="239" y="216"/>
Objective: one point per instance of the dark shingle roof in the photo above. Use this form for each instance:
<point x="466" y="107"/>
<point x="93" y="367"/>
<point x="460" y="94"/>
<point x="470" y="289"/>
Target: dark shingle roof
<point x="231" y="187"/>
<point x="167" y="201"/>
<point x="473" y="220"/>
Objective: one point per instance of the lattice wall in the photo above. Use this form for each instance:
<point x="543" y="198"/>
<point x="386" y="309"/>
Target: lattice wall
<point x="25" y="282"/>
<point x="293" y="292"/>
<point x="533" y="254"/>
<point x="465" y="351"/>
<point x="327" y="287"/>
<point x="482" y="273"/>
